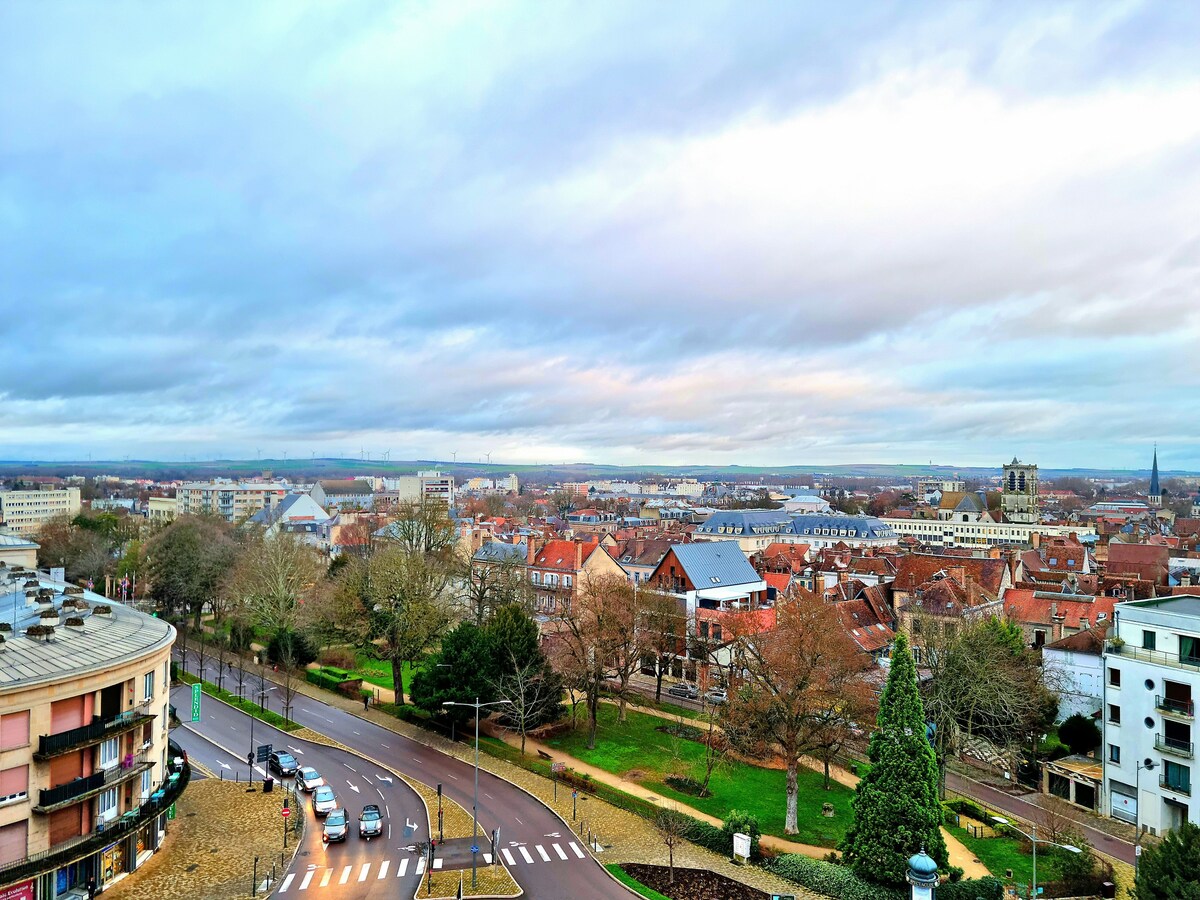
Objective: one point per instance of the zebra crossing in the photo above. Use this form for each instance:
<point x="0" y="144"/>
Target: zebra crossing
<point x="324" y="876"/>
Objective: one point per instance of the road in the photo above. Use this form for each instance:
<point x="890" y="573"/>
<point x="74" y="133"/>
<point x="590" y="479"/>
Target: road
<point x="547" y="860"/>
<point x="1025" y="809"/>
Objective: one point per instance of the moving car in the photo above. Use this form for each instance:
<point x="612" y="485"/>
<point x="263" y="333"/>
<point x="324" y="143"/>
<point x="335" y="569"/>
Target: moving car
<point x="282" y="763"/>
<point x="324" y="801"/>
<point x="370" y="822"/>
<point x="684" y="689"/>
<point x="337" y="825"/>
<point x="716" y="695"/>
<point x="308" y="779"/>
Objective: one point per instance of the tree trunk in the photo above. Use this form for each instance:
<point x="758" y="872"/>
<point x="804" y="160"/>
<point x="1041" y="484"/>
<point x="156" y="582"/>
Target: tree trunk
<point x="522" y="740"/>
<point x="398" y="681"/>
<point x="670" y="864"/>
<point x="826" y="773"/>
<point x="593" y="703"/>
<point x="658" y="676"/>
<point x="789" y="822"/>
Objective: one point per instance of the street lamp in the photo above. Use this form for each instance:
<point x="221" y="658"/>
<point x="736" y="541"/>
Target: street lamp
<point x="1033" y="839"/>
<point x="477" y="706"/>
<point x="1148" y="764"/>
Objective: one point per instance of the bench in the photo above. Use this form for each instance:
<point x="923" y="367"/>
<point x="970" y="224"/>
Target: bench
<point x="544" y="755"/>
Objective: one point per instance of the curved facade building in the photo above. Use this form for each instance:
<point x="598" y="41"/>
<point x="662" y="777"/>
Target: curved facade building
<point x="85" y="790"/>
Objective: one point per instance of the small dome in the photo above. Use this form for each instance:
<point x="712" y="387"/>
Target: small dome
<point x="922" y="865"/>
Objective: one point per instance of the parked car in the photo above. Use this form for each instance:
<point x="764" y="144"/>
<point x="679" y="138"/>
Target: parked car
<point x="684" y="689"/>
<point x="309" y="779"/>
<point x="370" y="822"/>
<point x="282" y="763"/>
<point x="716" y="695"/>
<point x="324" y="801"/>
<point x="337" y="825"/>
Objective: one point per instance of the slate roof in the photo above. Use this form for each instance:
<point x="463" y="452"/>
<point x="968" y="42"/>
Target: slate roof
<point x="16" y="542"/>
<point x="71" y="652"/>
<point x="712" y="563"/>
<point x="499" y="551"/>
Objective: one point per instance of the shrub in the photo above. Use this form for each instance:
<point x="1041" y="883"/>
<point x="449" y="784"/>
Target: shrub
<point x="323" y="679"/>
<point x="241" y="634"/>
<point x="1080" y="734"/>
<point x="738" y="821"/>
<point x="986" y="888"/>
<point x="290" y="648"/>
<point x="832" y="880"/>
<point x="342" y="657"/>
<point x="340" y="674"/>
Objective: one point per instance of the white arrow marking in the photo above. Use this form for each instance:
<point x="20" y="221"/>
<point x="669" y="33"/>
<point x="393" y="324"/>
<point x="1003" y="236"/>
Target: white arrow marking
<point x="388" y="778"/>
<point x="295" y="749"/>
<point x="353" y="787"/>
<point x="225" y="765"/>
<point x="408" y="824"/>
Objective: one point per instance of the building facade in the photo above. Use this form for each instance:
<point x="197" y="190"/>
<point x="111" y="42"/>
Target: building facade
<point x="231" y="500"/>
<point x="24" y="512"/>
<point x="1019" y="493"/>
<point x="980" y="535"/>
<point x="85" y="786"/>
<point x="161" y="509"/>
<point x="756" y="529"/>
<point x="1152" y="680"/>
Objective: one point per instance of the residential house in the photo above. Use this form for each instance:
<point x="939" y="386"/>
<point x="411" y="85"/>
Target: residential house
<point x="1048" y="616"/>
<point x="1073" y="667"/>
<point x="559" y="571"/>
<point x="344" y="493"/>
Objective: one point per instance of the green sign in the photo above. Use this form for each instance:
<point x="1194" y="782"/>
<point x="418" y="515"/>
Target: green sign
<point x="195" y="702"/>
<point x="171" y="811"/>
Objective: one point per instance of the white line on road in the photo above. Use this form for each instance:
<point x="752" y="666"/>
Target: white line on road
<point x="420" y="864"/>
<point x="325" y="878"/>
<point x="437" y="863"/>
<point x="287" y="882"/>
<point x="379" y="792"/>
<point x="525" y="853"/>
<point x="542" y="853"/>
<point x="489" y="796"/>
<point x="350" y="767"/>
<point x="508" y="856"/>
<point x="559" y="851"/>
<point x="455" y="777"/>
<point x="575" y="849"/>
<point x="345" y="875"/>
<point x="383" y="867"/>
<point x="362" y="873"/>
<point x="385" y="746"/>
<point x="403" y="868"/>
<point x="519" y="822"/>
<point x="307" y="878"/>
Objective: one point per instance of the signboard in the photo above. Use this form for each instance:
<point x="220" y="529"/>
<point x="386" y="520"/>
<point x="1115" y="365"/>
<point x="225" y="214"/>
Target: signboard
<point x="286" y="812"/>
<point x="171" y="812"/>
<point x="196" y="702"/>
<point x="741" y="845"/>
<point x="58" y="574"/>
<point x="922" y="892"/>
<point x="21" y="891"/>
<point x="264" y="752"/>
<point x="558" y="767"/>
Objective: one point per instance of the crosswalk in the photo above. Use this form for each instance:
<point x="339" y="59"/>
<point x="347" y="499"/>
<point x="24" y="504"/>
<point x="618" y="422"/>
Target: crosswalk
<point x="324" y="876"/>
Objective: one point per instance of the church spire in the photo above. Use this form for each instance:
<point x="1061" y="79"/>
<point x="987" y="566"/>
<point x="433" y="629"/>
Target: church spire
<point x="1155" y="490"/>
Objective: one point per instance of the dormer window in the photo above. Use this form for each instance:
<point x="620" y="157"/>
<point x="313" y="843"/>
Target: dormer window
<point x="715" y="579"/>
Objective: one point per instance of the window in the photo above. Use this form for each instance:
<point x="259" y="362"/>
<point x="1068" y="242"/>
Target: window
<point x="566" y="581"/>
<point x="1114" y="714"/>
<point x="1149" y="640"/>
<point x="147" y="785"/>
<point x="148" y="686"/>
<point x="1176" y="777"/>
<point x="1189" y="650"/>
<point x="14" y="785"/>
<point x="533" y="576"/>
<point x="14" y="730"/>
<point x="109" y="752"/>
<point x="1114" y="754"/>
<point x="106" y="805"/>
<point x="167" y="672"/>
<point x="1114" y="677"/>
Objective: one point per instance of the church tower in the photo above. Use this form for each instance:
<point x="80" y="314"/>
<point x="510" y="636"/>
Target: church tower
<point x="1155" y="496"/>
<point x="1019" y="493"/>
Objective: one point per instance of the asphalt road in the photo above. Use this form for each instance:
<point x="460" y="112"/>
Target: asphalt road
<point x="548" y="861"/>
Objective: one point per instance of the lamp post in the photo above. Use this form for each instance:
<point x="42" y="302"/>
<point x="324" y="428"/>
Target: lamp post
<point x="1148" y="764"/>
<point x="477" y="706"/>
<point x="1033" y="839"/>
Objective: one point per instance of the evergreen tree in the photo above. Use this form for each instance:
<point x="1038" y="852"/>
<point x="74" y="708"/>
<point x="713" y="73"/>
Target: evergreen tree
<point x="1171" y="870"/>
<point x="896" y="808"/>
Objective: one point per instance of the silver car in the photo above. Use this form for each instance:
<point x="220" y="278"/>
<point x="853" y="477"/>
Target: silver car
<point x="370" y="822"/>
<point x="324" y="801"/>
<point x="309" y="779"/>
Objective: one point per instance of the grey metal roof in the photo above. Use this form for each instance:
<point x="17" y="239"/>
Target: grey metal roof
<point x="499" y="551"/>
<point x="103" y="640"/>
<point x="712" y="563"/>
<point x="16" y="542"/>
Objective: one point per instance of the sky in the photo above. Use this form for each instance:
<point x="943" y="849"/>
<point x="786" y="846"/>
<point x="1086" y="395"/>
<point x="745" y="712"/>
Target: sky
<point x="618" y="232"/>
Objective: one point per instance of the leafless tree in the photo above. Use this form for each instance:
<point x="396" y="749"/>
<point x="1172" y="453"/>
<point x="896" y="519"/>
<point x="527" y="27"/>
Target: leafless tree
<point x="663" y="625"/>
<point x="672" y="827"/>
<point x="486" y="586"/>
<point x="531" y="691"/>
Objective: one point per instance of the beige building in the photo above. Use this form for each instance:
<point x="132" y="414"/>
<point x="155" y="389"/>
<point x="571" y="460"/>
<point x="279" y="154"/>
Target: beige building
<point x="162" y="509"/>
<point x="24" y="512"/>
<point x="234" y="501"/>
<point x="17" y="552"/>
<point x="84" y="782"/>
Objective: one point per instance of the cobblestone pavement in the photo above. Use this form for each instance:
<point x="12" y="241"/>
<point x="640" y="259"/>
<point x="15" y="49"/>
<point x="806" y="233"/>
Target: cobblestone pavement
<point x="210" y="848"/>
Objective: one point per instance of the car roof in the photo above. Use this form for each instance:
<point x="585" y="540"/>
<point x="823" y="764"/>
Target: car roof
<point x="308" y="770"/>
<point x="371" y="807"/>
<point x="324" y="789"/>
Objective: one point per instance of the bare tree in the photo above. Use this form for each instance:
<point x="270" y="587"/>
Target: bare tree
<point x="672" y="827"/>
<point x="664" y="625"/>
<point x="423" y="527"/>
<point x="202" y="648"/>
<point x="486" y="586"/>
<point x="532" y="691"/>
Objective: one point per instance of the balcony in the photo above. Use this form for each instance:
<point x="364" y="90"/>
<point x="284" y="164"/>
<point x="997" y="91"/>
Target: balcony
<point x="51" y="745"/>
<point x="51" y="799"/>
<point x="85" y="845"/>
<point x="1173" y="660"/>
<point x="1179" y="787"/>
<point x="1184" y="709"/>
<point x="1174" y="745"/>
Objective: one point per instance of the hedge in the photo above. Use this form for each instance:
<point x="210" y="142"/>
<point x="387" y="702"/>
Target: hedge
<point x="986" y="888"/>
<point x="323" y="679"/>
<point x="842" y="884"/>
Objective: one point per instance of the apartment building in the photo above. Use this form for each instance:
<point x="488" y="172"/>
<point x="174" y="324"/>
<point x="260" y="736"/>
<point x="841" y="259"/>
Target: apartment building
<point x="24" y="512"/>
<point x="979" y="534"/>
<point x="232" y="500"/>
<point x="162" y="509"/>
<point x="756" y="529"/>
<point x="1152" y="680"/>
<point x="426" y="486"/>
<point x="84" y="783"/>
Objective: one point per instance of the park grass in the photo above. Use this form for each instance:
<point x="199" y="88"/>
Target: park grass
<point x="1000" y="853"/>
<point x="251" y="709"/>
<point x="637" y="745"/>
<point x="633" y="884"/>
<point x="379" y="671"/>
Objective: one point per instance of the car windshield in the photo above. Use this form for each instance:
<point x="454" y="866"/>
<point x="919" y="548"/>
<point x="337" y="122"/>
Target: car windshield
<point x="324" y="793"/>
<point x="370" y="815"/>
<point x="337" y="817"/>
<point x="286" y="759"/>
<point x="309" y="774"/>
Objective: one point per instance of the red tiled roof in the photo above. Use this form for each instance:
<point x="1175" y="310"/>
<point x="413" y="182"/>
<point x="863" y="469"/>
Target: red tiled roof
<point x="1035" y="607"/>
<point x="561" y="554"/>
<point x="1089" y="641"/>
<point x="781" y="581"/>
<point x="918" y="568"/>
<point x="863" y="626"/>
<point x="1146" y="561"/>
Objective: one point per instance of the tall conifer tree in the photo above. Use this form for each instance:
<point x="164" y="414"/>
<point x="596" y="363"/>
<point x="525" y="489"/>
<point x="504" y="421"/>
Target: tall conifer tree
<point x="896" y="808"/>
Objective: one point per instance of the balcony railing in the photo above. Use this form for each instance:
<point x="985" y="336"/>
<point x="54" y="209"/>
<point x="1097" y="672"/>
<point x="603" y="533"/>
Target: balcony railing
<point x="50" y="799"/>
<point x="1174" y="660"/>
<point x="1179" y="787"/>
<point x="51" y="745"/>
<point x="1184" y="708"/>
<point x="1174" y="745"/>
<point x="80" y="847"/>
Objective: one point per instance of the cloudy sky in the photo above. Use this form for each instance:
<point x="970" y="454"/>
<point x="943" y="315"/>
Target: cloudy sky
<point x="616" y="232"/>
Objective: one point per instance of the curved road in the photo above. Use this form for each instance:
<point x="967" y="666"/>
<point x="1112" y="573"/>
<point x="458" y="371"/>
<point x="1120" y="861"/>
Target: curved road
<point x="533" y="839"/>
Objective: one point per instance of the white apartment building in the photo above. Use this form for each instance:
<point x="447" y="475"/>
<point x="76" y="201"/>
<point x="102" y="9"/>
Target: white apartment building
<point x="162" y="509"/>
<point x="426" y="486"/>
<point x="1152" y="669"/>
<point x="979" y="535"/>
<point x="232" y="500"/>
<point x="24" y="512"/>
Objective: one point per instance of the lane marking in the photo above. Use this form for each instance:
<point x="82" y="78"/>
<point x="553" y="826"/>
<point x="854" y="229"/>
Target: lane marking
<point x="519" y="822"/>
<point x="380" y="793"/>
<point x="437" y="863"/>
<point x="542" y="853"/>
<point x="575" y="849"/>
<point x="287" y="882"/>
<point x="307" y="878"/>
<point x="385" y="746"/>
<point x="325" y="878"/>
<point x="362" y="873"/>
<point x="345" y="875"/>
<point x="383" y="867"/>
<point x="403" y="867"/>
<point x="525" y="853"/>
<point x="489" y="796"/>
<point x="508" y="856"/>
<point x="559" y="851"/>
<point x="420" y="864"/>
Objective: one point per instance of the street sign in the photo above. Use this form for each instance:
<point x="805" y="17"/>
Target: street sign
<point x="196" y="702"/>
<point x="474" y="848"/>
<point x="250" y="759"/>
<point x="264" y="752"/>
<point x="171" y="811"/>
<point x="286" y="812"/>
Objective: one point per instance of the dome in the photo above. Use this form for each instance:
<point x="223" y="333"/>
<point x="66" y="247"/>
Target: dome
<point x="922" y="865"/>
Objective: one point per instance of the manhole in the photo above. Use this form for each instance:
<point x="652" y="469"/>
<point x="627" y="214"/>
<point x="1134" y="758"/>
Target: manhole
<point x="193" y="867"/>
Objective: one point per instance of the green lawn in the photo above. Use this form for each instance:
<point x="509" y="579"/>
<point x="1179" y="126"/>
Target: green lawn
<point x="637" y="745"/>
<point x="633" y="884"/>
<point x="1000" y="853"/>
<point x="379" y="671"/>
